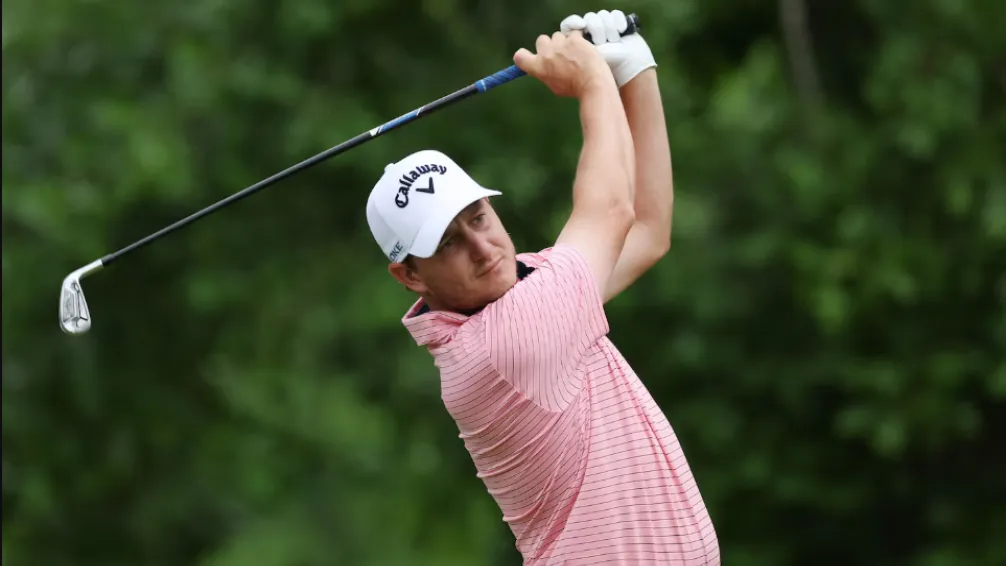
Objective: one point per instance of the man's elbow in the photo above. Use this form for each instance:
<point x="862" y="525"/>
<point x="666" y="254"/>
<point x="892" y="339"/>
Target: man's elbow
<point x="658" y="248"/>
<point x="662" y="248"/>
<point x="664" y="239"/>
<point x="660" y="243"/>
<point x="662" y="236"/>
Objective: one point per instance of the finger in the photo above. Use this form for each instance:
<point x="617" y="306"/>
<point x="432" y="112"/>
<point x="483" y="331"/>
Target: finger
<point x="571" y="23"/>
<point x="526" y="61"/>
<point x="610" y="33"/>
<point x="541" y="43"/>
<point x="595" y="27"/>
<point x="621" y="22"/>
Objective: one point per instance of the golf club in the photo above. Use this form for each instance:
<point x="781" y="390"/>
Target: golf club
<point x="74" y="315"/>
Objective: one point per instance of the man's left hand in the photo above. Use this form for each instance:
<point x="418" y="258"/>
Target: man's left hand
<point x="626" y="56"/>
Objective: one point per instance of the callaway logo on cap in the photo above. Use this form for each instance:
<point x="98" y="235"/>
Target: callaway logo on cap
<point x="415" y="200"/>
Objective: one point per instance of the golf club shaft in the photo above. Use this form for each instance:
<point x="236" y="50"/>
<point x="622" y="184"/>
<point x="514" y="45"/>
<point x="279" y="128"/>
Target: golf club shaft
<point x="488" y="83"/>
<point x="74" y="315"/>
<point x="483" y="85"/>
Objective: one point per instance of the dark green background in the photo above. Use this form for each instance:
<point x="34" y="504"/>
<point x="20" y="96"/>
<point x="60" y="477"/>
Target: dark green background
<point x="826" y="336"/>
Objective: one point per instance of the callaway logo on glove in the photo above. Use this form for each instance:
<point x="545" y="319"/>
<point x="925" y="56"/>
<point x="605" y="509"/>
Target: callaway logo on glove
<point x="626" y="56"/>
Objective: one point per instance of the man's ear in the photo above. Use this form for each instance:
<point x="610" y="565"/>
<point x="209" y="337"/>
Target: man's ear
<point x="405" y="274"/>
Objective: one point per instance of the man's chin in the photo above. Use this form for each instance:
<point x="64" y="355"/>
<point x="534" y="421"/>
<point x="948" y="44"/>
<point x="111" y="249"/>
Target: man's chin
<point x="506" y="273"/>
<point x="500" y="284"/>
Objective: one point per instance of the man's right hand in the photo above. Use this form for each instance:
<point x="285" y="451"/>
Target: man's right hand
<point x="567" y="64"/>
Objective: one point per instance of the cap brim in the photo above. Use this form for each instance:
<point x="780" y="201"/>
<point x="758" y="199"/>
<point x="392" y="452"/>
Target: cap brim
<point x="428" y="239"/>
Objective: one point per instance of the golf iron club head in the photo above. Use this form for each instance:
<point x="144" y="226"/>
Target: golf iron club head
<point x="74" y="317"/>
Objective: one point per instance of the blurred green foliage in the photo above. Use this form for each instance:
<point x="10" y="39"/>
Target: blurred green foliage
<point x="827" y="335"/>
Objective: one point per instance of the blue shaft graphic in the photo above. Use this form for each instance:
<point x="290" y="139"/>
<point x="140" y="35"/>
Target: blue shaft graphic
<point x="482" y="85"/>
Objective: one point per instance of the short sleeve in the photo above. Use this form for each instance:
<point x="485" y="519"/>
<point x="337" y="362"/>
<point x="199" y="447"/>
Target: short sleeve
<point x="540" y="331"/>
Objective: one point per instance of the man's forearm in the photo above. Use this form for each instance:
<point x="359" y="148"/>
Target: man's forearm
<point x="606" y="170"/>
<point x="654" y="194"/>
<point x="603" y="190"/>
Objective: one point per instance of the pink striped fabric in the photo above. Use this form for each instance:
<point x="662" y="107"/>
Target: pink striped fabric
<point x="582" y="462"/>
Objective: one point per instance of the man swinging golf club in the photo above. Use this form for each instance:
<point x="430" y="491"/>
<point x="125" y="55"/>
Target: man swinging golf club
<point x="583" y="464"/>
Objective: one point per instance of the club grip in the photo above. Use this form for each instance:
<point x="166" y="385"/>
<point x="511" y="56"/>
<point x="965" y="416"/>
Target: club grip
<point x="633" y="27"/>
<point x="498" y="78"/>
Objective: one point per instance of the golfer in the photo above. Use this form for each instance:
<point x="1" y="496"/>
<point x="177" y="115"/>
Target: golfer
<point x="583" y="464"/>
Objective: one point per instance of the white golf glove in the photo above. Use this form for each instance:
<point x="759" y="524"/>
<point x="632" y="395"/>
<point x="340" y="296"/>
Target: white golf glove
<point x="626" y="56"/>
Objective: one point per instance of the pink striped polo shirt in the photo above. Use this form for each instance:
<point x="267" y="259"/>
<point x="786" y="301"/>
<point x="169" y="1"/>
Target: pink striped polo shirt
<point x="582" y="462"/>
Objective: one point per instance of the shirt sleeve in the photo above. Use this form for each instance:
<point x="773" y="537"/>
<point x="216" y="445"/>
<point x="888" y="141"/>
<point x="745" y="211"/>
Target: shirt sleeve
<point x="539" y="332"/>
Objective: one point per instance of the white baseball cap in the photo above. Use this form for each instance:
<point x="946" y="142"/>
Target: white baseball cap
<point x="415" y="200"/>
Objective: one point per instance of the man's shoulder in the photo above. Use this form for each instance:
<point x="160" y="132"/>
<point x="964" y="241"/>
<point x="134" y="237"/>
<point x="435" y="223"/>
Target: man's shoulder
<point x="533" y="259"/>
<point x="551" y="253"/>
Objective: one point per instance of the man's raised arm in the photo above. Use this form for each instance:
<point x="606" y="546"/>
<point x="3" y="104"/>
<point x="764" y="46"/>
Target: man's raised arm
<point x="605" y="177"/>
<point x="633" y="68"/>
<point x="604" y="185"/>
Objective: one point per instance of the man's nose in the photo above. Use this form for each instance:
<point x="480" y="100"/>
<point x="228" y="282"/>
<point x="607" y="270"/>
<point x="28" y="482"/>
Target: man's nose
<point x="480" y="247"/>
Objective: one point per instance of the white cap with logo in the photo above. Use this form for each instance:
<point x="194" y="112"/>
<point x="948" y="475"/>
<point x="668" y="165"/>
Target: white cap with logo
<point x="415" y="200"/>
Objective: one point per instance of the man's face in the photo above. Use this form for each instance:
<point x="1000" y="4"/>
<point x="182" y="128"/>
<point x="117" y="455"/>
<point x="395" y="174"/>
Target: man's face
<point x="474" y="265"/>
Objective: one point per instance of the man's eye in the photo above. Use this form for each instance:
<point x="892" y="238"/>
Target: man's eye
<point x="479" y="219"/>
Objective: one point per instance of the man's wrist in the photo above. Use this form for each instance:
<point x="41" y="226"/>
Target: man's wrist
<point x="647" y="78"/>
<point x="600" y="83"/>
